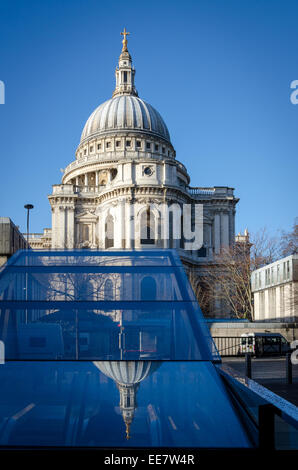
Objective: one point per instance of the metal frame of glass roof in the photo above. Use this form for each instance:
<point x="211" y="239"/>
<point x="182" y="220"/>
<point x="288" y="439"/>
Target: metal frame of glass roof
<point x="141" y="300"/>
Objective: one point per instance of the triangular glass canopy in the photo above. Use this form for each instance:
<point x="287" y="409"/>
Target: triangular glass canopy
<point x="92" y="305"/>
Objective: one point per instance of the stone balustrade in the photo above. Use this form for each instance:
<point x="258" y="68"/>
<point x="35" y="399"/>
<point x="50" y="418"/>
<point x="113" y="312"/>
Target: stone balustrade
<point x="113" y="157"/>
<point x="220" y="191"/>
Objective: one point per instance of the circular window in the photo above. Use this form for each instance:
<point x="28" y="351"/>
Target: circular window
<point x="148" y="171"/>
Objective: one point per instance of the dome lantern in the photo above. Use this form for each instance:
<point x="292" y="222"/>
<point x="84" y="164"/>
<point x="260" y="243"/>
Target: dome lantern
<point x="125" y="73"/>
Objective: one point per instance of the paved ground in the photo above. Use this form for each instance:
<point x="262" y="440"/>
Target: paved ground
<point x="270" y="372"/>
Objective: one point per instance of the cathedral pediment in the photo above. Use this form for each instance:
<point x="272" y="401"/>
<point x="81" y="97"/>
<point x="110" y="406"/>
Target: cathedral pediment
<point x="86" y="215"/>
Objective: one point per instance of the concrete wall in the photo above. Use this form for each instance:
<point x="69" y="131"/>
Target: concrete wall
<point x="288" y="330"/>
<point x="11" y="239"/>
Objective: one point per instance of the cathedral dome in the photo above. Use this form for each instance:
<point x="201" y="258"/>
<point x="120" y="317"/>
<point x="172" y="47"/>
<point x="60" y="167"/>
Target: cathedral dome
<point x="125" y="112"/>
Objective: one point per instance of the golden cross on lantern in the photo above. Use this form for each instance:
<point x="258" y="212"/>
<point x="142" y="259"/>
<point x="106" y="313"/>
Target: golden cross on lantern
<point x="124" y="42"/>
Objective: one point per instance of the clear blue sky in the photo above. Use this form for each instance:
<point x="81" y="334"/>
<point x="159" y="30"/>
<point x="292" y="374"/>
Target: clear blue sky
<point x="218" y="71"/>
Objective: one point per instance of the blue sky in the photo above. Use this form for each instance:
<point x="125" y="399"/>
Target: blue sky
<point x="218" y="71"/>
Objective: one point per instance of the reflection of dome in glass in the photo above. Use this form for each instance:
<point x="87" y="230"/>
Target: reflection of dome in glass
<point x="127" y="372"/>
<point x="127" y="375"/>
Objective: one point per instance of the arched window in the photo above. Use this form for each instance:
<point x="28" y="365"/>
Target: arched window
<point x="109" y="232"/>
<point x="108" y="290"/>
<point x="148" y="288"/>
<point x="147" y="228"/>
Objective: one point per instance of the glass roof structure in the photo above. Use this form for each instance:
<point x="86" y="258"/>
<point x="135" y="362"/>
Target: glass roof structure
<point x="111" y="350"/>
<point x="90" y="305"/>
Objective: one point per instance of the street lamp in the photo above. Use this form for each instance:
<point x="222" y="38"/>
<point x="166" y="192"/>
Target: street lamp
<point x="28" y="207"/>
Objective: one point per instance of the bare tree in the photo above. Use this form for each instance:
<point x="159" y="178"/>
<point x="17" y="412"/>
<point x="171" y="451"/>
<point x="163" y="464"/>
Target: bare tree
<point x="226" y="281"/>
<point x="201" y="288"/>
<point x="265" y="249"/>
<point x="289" y="240"/>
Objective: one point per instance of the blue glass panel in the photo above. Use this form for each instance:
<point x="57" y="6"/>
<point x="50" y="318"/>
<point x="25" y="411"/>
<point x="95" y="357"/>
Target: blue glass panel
<point x="90" y="305"/>
<point x="50" y="283"/>
<point x="116" y="404"/>
<point x="133" y="330"/>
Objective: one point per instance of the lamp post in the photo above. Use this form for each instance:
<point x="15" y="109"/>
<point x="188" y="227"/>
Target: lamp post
<point x="28" y="207"/>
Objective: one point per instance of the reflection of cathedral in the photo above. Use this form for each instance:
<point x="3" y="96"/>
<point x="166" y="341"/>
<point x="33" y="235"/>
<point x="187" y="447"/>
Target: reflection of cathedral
<point x="127" y="375"/>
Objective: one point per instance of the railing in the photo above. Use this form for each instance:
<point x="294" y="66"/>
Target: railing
<point x="34" y="235"/>
<point x="271" y="421"/>
<point x="228" y="345"/>
<point x="200" y="191"/>
<point x="89" y="189"/>
<point x="114" y="157"/>
<point x="69" y="189"/>
<point x="216" y="191"/>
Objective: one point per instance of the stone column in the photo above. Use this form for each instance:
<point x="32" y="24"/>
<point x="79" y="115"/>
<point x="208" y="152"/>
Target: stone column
<point x="96" y="180"/>
<point x="62" y="227"/>
<point x="165" y="173"/>
<point x="86" y="181"/>
<point x="54" y="227"/>
<point x="231" y="227"/>
<point x="117" y="215"/>
<point x="224" y="229"/>
<point x="122" y="221"/>
<point x="70" y="228"/>
<point x="216" y="232"/>
<point x="209" y="242"/>
<point x="128" y="225"/>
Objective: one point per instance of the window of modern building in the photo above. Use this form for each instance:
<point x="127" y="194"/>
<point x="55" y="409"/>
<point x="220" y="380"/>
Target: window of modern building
<point x="267" y="277"/>
<point x="272" y="275"/>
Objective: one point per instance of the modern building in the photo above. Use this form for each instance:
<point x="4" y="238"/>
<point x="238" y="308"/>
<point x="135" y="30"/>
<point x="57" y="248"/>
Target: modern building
<point x="11" y="239"/>
<point x="275" y="290"/>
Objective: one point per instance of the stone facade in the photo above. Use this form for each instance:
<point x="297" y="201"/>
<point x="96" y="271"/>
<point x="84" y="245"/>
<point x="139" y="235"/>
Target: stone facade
<point x="275" y="290"/>
<point x="126" y="157"/>
<point x="125" y="170"/>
